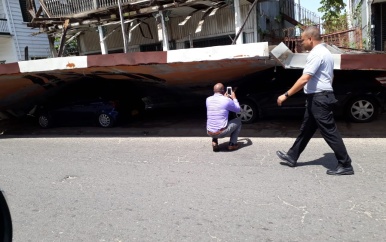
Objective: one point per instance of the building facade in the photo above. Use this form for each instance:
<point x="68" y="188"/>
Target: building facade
<point x="370" y="16"/>
<point x="218" y="29"/>
<point x="99" y="28"/>
<point x="17" y="41"/>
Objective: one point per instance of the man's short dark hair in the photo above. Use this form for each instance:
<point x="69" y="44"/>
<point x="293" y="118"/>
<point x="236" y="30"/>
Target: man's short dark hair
<point x="314" y="32"/>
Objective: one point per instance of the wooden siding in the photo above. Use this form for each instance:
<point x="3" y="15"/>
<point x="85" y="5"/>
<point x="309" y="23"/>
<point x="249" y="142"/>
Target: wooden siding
<point x="22" y="35"/>
<point x="2" y="11"/>
<point x="4" y="29"/>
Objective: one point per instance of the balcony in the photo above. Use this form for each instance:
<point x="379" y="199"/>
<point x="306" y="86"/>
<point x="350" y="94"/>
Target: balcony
<point x="4" y="30"/>
<point x="297" y="15"/>
<point x="73" y="8"/>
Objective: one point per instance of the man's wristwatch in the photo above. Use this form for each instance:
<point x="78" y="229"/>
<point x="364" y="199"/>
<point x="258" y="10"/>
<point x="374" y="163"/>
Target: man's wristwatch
<point x="286" y="94"/>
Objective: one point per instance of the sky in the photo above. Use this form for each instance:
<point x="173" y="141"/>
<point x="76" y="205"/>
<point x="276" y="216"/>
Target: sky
<point x="311" y="5"/>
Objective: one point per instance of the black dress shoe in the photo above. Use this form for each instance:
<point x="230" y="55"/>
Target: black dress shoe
<point x="216" y="147"/>
<point x="341" y="170"/>
<point x="288" y="160"/>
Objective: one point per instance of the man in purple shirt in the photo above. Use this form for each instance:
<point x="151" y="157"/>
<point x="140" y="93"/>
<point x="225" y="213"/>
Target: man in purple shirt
<point x="217" y="125"/>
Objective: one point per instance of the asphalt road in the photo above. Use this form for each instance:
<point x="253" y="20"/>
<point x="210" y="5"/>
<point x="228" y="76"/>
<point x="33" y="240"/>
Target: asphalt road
<point x="188" y="123"/>
<point x="160" y="181"/>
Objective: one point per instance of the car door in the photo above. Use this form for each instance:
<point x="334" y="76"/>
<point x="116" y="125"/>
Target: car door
<point x="297" y="101"/>
<point x="79" y="112"/>
<point x="63" y="113"/>
<point x="281" y="82"/>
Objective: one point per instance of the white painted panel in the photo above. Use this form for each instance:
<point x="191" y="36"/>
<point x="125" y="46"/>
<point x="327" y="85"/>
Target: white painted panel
<point x="219" y="52"/>
<point x="298" y="60"/>
<point x="71" y="62"/>
<point x="249" y="38"/>
<point x="7" y="50"/>
<point x="292" y="60"/>
<point x="222" y="23"/>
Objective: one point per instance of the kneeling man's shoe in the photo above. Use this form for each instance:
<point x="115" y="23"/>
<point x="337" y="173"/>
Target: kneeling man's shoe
<point x="216" y="147"/>
<point x="288" y="160"/>
<point x="232" y="146"/>
<point x="341" y="170"/>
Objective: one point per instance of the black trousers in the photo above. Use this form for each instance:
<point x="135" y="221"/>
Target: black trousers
<point x="319" y="115"/>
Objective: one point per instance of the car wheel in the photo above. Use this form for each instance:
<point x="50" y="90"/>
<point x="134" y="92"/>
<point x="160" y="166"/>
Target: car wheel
<point x="105" y="120"/>
<point x="248" y="112"/>
<point x="45" y="120"/>
<point x="362" y="110"/>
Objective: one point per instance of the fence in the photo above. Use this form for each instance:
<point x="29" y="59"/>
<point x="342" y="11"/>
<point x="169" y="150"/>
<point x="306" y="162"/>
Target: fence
<point x="344" y="38"/>
<point x="60" y="8"/>
<point x="298" y="13"/>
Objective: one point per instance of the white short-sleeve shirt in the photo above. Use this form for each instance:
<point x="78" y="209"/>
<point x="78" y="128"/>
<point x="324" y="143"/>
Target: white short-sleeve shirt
<point x="319" y="65"/>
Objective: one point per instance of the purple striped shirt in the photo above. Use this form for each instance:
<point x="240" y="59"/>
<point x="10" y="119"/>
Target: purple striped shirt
<point x="217" y="111"/>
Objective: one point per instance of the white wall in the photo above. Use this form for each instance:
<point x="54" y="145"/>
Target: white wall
<point x="7" y="50"/>
<point x="7" y="47"/>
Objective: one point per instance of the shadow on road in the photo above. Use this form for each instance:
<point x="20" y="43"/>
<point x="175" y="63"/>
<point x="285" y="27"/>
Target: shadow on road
<point x="187" y="123"/>
<point x="328" y="161"/>
<point x="223" y="143"/>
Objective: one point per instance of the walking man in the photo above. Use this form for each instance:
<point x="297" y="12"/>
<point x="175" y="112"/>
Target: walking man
<point x="316" y="82"/>
<point x="218" y="107"/>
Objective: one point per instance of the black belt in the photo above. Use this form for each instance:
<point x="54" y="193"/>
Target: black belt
<point x="319" y="93"/>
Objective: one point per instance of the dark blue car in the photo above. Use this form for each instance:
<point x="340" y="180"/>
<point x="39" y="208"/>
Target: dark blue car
<point x="101" y="112"/>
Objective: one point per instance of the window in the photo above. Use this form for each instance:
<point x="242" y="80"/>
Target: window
<point x="38" y="57"/>
<point x="215" y="41"/>
<point x="151" y="47"/>
<point x="157" y="46"/>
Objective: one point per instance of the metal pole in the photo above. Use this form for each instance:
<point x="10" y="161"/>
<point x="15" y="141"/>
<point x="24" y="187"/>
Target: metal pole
<point x="245" y="21"/>
<point x="103" y="44"/>
<point x="300" y="16"/>
<point x="96" y="4"/>
<point x="165" y="37"/>
<point x="238" y="23"/>
<point x="125" y="47"/>
<point x="130" y="27"/>
<point x="62" y="45"/>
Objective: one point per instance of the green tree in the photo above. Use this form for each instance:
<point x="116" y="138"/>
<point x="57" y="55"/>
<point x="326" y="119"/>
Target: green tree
<point x="70" y="49"/>
<point x="334" y="17"/>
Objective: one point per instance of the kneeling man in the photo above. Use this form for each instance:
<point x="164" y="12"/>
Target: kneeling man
<point x="217" y="109"/>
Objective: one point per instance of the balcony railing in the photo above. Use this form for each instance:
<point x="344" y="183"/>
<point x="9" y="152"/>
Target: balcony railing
<point x="298" y="13"/>
<point x="4" y="26"/>
<point x="61" y="8"/>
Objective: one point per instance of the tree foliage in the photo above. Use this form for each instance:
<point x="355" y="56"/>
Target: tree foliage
<point x="70" y="49"/>
<point x="334" y="17"/>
